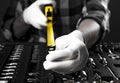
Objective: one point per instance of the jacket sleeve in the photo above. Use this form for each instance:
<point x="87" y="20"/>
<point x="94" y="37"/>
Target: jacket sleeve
<point x="14" y="28"/>
<point x="98" y="11"/>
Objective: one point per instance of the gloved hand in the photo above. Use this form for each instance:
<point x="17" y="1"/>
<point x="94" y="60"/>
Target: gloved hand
<point x="70" y="55"/>
<point x="34" y="16"/>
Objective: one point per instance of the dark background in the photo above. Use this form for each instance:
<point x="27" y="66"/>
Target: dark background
<point x="114" y="34"/>
<point x="114" y="6"/>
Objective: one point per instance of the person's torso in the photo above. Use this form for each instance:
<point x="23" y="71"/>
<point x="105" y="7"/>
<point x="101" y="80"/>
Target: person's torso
<point x="67" y="13"/>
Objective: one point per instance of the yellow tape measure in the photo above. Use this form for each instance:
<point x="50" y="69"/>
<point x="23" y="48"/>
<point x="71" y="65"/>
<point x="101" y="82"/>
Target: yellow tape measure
<point x="50" y="33"/>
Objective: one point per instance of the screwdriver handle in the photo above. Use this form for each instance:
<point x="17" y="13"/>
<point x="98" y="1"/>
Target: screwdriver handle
<point x="50" y="32"/>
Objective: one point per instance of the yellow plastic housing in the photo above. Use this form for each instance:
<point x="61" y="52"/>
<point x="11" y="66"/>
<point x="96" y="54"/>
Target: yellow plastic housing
<point x="50" y="33"/>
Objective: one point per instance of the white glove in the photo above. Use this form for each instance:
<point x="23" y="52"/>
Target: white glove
<point x="70" y="55"/>
<point x="33" y="14"/>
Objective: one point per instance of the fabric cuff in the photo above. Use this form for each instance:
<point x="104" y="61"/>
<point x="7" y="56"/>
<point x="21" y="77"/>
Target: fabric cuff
<point x="102" y="26"/>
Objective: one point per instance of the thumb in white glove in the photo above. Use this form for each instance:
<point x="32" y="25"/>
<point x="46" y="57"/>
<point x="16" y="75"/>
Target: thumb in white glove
<point x="70" y="55"/>
<point x="34" y="16"/>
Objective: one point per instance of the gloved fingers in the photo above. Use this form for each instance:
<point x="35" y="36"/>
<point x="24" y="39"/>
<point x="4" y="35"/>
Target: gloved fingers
<point x="39" y="15"/>
<point x="68" y="66"/>
<point x="35" y="17"/>
<point x="75" y="45"/>
<point x="39" y="22"/>
<point x="62" y="42"/>
<point x="36" y="13"/>
<point x="37" y="25"/>
<point x="60" y="55"/>
<point x="63" y="67"/>
<point x="69" y="43"/>
<point x="65" y="53"/>
<point x="44" y="2"/>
